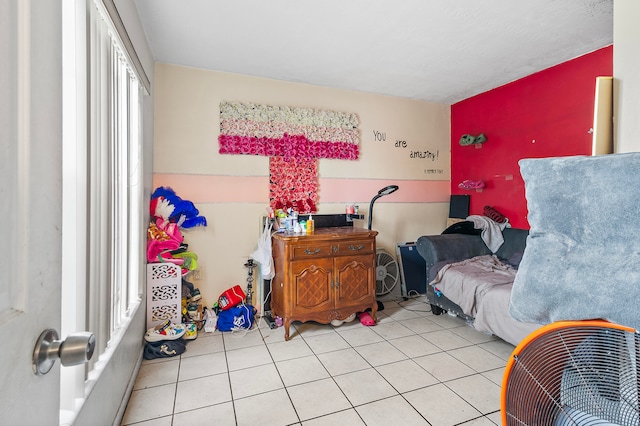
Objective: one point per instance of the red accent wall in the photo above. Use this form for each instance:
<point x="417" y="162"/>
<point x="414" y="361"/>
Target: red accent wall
<point x="546" y="114"/>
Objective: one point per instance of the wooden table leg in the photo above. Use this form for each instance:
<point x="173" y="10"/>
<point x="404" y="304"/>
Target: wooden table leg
<point x="287" y="322"/>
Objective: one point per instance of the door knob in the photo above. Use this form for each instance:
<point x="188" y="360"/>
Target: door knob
<point x="76" y="349"/>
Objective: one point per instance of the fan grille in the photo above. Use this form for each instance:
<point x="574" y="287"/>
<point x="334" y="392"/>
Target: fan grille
<point x="387" y="272"/>
<point x="574" y="373"/>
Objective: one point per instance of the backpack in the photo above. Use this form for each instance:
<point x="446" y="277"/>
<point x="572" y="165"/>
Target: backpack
<point x="240" y="316"/>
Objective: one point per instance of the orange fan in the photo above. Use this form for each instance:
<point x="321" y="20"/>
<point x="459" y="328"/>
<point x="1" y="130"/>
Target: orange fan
<point x="574" y="373"/>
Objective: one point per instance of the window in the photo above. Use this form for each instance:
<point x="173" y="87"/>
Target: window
<point x="103" y="219"/>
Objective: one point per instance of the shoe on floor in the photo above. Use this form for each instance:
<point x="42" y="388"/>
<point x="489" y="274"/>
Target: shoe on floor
<point x="165" y="331"/>
<point x="366" y="319"/>
<point x="191" y="332"/>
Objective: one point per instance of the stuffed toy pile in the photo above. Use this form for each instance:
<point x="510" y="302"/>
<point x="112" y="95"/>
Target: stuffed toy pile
<point x="165" y="243"/>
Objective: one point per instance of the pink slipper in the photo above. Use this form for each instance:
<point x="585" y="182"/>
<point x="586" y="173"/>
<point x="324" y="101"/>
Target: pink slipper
<point x="471" y="184"/>
<point x="365" y="319"/>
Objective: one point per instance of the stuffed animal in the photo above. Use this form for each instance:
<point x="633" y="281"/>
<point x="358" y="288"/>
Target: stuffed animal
<point x="169" y="206"/>
<point x="169" y="213"/>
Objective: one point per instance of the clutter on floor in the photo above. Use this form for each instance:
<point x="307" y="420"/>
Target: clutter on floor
<point x="174" y="307"/>
<point x="165" y="340"/>
<point x="171" y="326"/>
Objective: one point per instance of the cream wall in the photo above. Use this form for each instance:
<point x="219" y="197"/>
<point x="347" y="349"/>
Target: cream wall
<point x="626" y="68"/>
<point x="232" y="190"/>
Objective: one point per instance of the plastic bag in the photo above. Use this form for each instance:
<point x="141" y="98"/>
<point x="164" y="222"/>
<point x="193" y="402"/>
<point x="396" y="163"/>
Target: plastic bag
<point x="210" y="320"/>
<point x="262" y="255"/>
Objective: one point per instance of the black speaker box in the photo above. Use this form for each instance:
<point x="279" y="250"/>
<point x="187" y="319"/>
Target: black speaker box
<point x="413" y="269"/>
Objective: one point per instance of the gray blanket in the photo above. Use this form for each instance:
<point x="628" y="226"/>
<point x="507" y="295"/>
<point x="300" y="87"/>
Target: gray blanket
<point x="582" y="259"/>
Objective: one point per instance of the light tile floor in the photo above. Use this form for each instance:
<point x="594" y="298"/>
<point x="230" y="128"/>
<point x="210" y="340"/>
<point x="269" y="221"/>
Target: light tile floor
<point x="412" y="368"/>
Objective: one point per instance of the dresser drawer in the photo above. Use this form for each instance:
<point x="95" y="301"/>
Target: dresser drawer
<point x="355" y="247"/>
<point x="309" y="251"/>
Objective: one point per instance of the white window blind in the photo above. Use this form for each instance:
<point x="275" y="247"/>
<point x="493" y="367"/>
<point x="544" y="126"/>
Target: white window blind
<point x="115" y="193"/>
<point x="105" y="276"/>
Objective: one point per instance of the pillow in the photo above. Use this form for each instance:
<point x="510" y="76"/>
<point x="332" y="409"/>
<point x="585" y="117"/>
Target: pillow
<point x="465" y="227"/>
<point x="582" y="259"/>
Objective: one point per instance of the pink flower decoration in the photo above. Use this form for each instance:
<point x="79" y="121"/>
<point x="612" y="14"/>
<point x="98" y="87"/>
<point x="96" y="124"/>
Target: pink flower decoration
<point x="288" y="146"/>
<point x="293" y="184"/>
<point x="294" y="138"/>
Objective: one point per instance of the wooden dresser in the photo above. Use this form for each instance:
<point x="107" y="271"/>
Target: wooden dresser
<point x="327" y="275"/>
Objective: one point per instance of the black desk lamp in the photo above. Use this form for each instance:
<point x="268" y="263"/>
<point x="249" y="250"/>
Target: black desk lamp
<point x="384" y="191"/>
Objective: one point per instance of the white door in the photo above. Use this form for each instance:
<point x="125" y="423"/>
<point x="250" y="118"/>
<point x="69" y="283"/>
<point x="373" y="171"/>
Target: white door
<point x="30" y="204"/>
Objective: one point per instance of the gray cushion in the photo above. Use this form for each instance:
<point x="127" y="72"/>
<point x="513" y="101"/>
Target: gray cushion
<point x="582" y="259"/>
<point x="515" y="240"/>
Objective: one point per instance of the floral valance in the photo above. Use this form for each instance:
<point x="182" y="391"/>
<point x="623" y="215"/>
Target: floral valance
<point x="288" y="132"/>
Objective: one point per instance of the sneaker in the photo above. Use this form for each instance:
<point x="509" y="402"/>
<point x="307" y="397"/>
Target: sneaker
<point x="195" y="295"/>
<point x="192" y="331"/>
<point x="164" y="324"/>
<point x="192" y="310"/>
<point x="165" y="331"/>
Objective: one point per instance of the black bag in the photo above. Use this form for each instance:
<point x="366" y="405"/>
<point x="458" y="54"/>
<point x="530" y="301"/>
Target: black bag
<point x="164" y="349"/>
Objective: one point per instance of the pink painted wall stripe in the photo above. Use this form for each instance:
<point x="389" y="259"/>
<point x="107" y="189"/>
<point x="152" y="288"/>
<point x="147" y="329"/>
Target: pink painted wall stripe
<point x="409" y="191"/>
<point x="255" y="189"/>
<point x="216" y="189"/>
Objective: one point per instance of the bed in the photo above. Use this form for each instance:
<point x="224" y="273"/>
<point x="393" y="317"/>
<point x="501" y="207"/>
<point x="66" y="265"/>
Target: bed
<point x="485" y="305"/>
<point x="481" y="287"/>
